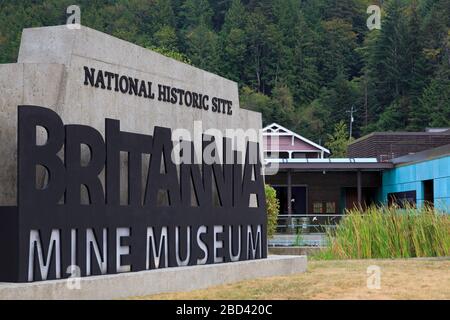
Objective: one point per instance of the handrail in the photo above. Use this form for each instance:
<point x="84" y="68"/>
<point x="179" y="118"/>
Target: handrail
<point x="309" y="215"/>
<point x="306" y="223"/>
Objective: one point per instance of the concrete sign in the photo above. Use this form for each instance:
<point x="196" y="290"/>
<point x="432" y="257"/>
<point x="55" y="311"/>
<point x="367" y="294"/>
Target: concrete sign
<point x="130" y="182"/>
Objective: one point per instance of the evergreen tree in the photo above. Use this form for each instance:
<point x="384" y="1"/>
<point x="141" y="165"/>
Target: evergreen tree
<point x="338" y="43"/>
<point x="256" y="101"/>
<point x="415" y="62"/>
<point x="306" y="62"/>
<point x="161" y="13"/>
<point x="196" y="13"/>
<point x="220" y="8"/>
<point x="338" y="141"/>
<point x="435" y="101"/>
<point x="386" y="62"/>
<point x="340" y="9"/>
<point x="262" y="68"/>
<point x="313" y="121"/>
<point x="233" y="42"/>
<point x="297" y="63"/>
<point x="393" y="118"/>
<point x="235" y="17"/>
<point x="166" y="37"/>
<point x="202" y="47"/>
<point x="283" y="106"/>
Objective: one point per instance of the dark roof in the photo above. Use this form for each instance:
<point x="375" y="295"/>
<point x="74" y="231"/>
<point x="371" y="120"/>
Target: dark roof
<point x="425" y="155"/>
<point x="333" y="164"/>
<point x="390" y="145"/>
<point x="401" y="133"/>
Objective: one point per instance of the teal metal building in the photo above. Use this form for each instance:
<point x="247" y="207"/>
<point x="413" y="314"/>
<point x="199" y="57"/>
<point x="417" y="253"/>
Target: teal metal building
<point x="420" y="178"/>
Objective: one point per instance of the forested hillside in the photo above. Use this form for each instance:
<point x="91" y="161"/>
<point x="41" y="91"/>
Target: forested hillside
<point x="302" y="63"/>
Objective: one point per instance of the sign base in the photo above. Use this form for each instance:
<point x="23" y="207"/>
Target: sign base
<point x="154" y="281"/>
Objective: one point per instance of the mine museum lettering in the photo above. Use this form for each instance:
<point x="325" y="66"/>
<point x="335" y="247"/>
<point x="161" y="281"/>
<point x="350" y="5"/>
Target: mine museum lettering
<point x="175" y="214"/>
<point x="146" y="89"/>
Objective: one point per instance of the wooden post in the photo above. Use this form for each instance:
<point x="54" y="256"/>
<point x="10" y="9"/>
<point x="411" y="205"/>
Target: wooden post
<point x="289" y="221"/>
<point x="289" y="192"/>
<point x="358" y="187"/>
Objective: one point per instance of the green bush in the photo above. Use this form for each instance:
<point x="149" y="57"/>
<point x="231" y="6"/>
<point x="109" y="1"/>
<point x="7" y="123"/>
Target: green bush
<point x="273" y="208"/>
<point x="381" y="232"/>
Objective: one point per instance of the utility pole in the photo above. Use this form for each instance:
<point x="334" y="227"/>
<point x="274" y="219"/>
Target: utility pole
<point x="351" y="111"/>
<point x="366" y="116"/>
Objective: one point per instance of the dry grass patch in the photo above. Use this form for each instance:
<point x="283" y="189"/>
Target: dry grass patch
<point x="343" y="279"/>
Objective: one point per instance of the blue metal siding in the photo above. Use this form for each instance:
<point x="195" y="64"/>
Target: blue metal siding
<point x="410" y="177"/>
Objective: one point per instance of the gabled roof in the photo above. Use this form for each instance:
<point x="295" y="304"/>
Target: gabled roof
<point x="274" y="129"/>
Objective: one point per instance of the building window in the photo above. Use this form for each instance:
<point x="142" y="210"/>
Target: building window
<point x="283" y="155"/>
<point x="298" y="155"/>
<point x="402" y="199"/>
<point x="317" y="207"/>
<point x="331" y="207"/>
<point x="276" y="155"/>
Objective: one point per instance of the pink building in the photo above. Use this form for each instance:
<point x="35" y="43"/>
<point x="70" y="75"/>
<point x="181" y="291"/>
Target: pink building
<point x="314" y="190"/>
<point x="289" y="145"/>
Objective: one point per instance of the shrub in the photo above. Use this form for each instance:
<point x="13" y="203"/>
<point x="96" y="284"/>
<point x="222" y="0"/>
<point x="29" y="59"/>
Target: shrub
<point x="272" y="207"/>
<point x="381" y="232"/>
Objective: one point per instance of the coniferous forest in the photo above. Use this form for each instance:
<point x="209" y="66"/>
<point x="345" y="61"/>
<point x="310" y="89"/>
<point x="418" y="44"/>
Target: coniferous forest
<point x="302" y="63"/>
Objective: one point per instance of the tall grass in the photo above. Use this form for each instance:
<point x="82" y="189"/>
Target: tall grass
<point x="380" y="232"/>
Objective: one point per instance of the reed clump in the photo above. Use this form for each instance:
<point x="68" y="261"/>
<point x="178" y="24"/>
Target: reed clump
<point x="389" y="232"/>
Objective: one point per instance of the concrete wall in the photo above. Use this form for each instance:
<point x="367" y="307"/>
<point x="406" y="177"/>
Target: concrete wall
<point x="295" y="251"/>
<point x="22" y="83"/>
<point x="155" y="281"/>
<point x="410" y="177"/>
<point x="50" y="73"/>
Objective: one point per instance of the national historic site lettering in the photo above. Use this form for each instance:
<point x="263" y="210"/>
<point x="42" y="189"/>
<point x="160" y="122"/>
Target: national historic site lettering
<point x="148" y="90"/>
